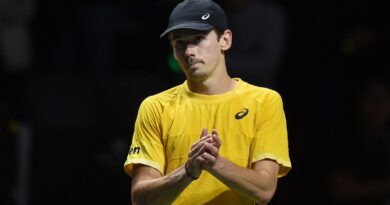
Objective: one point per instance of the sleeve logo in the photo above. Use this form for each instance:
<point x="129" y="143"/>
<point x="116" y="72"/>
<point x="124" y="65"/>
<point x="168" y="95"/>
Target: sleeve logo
<point x="134" y="150"/>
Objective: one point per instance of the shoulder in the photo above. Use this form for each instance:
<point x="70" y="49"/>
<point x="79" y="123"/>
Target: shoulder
<point x="257" y="93"/>
<point x="161" y="99"/>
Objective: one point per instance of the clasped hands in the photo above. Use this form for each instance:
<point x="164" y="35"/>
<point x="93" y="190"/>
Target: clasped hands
<point x="204" y="153"/>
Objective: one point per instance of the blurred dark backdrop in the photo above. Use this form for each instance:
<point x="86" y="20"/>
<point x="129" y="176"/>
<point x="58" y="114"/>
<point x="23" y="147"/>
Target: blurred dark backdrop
<point x="73" y="74"/>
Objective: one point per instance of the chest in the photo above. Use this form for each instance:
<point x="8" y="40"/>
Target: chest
<point x="235" y="122"/>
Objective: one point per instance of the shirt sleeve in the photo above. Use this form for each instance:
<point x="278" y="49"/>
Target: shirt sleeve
<point x="270" y="141"/>
<point x="146" y="147"/>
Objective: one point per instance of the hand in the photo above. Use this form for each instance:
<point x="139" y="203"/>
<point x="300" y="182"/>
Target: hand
<point x="211" y="149"/>
<point x="197" y="149"/>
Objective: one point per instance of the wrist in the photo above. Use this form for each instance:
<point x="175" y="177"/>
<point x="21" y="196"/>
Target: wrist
<point x="219" y="165"/>
<point x="188" y="172"/>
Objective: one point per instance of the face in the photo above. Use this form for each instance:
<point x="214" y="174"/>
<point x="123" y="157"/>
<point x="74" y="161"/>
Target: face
<point x="199" y="53"/>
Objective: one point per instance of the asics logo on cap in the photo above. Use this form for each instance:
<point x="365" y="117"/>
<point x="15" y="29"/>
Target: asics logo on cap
<point x="205" y="16"/>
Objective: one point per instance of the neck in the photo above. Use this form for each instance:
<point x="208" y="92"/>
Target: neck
<point x="212" y="87"/>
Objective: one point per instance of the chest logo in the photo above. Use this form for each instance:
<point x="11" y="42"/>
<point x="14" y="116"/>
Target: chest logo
<point x="244" y="112"/>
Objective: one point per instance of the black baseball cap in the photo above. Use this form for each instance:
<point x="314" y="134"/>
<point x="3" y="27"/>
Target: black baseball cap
<point x="198" y="15"/>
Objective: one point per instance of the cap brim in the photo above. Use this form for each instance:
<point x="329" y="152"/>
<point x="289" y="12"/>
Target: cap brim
<point x="189" y="25"/>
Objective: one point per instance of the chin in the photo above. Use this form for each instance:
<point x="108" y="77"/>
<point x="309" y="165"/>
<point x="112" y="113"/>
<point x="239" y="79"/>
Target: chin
<point x="196" y="73"/>
<point x="198" y="77"/>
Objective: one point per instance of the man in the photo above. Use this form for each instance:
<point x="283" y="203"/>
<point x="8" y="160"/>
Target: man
<point x="213" y="139"/>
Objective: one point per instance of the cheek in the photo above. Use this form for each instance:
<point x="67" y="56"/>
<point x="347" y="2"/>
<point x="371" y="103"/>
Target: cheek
<point x="179" y="58"/>
<point x="210" y="55"/>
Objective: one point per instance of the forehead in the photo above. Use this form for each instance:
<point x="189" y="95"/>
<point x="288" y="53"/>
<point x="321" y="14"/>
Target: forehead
<point x="184" y="33"/>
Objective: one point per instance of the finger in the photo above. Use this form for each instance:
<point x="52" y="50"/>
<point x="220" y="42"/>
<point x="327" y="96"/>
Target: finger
<point x="199" y="147"/>
<point x="196" y="156"/>
<point x="203" y="133"/>
<point x="212" y="149"/>
<point x="206" y="159"/>
<point x="217" y="140"/>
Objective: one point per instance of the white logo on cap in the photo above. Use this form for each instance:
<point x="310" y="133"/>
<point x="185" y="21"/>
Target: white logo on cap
<point x="205" y="16"/>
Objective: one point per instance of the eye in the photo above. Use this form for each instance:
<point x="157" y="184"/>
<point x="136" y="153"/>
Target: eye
<point x="179" y="44"/>
<point x="197" y="40"/>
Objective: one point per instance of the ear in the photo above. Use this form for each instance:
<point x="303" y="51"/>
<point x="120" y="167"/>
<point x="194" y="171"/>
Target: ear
<point x="226" y="40"/>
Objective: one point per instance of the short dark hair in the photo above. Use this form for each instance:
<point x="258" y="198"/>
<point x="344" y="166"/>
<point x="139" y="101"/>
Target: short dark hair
<point x="218" y="32"/>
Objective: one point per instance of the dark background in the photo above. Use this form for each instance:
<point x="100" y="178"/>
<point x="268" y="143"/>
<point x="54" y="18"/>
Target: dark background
<point x="69" y="100"/>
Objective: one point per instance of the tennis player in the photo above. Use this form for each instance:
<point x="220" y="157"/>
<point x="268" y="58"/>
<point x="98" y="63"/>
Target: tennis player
<point x="213" y="139"/>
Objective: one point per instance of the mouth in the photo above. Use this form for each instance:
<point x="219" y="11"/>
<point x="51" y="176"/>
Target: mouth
<point x="193" y="63"/>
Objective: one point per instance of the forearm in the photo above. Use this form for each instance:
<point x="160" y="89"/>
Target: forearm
<point x="162" y="190"/>
<point x="258" y="185"/>
<point x="149" y="187"/>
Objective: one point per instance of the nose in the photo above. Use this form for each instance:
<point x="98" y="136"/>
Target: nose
<point x="190" y="50"/>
